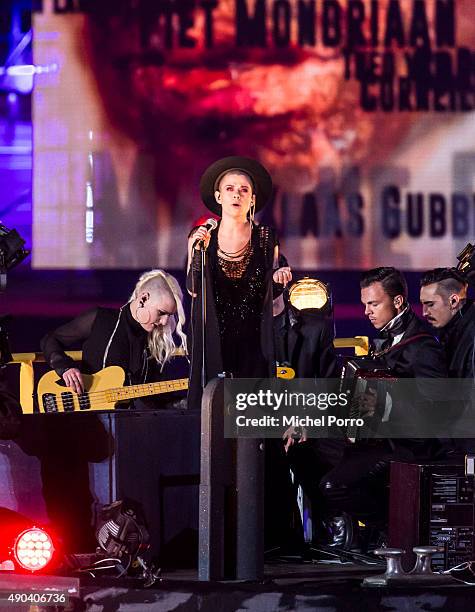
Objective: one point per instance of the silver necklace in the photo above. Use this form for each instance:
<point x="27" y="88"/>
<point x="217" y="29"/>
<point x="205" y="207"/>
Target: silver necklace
<point x="239" y="252"/>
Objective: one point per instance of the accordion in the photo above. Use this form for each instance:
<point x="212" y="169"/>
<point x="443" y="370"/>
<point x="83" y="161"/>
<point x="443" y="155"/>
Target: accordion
<point x="360" y="379"/>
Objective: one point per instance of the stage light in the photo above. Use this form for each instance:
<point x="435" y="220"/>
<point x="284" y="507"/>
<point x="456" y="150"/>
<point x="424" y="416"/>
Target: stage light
<point x="310" y="294"/>
<point x="27" y="70"/>
<point x="122" y="532"/>
<point x="33" y="549"/>
<point x="12" y="250"/>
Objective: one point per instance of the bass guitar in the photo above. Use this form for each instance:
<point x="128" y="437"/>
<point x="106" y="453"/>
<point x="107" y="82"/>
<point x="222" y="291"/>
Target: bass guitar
<point x="102" y="391"/>
<point x="105" y="389"/>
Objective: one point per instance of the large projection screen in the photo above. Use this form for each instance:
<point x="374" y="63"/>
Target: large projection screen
<point x="362" y="111"/>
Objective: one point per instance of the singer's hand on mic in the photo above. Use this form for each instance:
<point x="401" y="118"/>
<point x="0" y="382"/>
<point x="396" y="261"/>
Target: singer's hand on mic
<point x="199" y="238"/>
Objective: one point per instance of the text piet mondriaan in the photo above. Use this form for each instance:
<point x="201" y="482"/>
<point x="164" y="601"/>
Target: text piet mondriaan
<point x="402" y="53"/>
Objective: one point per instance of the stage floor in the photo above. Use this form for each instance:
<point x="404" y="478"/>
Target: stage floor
<point x="288" y="586"/>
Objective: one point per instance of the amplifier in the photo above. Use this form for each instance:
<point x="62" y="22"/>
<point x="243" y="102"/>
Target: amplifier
<point x="432" y="504"/>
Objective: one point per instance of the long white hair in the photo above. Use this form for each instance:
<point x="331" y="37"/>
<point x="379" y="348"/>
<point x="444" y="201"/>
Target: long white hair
<point x="160" y="340"/>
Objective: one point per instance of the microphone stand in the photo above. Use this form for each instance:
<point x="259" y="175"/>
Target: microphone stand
<point x="203" y="317"/>
<point x="212" y="224"/>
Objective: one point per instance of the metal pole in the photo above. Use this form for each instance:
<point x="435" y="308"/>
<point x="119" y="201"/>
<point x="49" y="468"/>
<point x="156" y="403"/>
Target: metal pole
<point x="249" y="509"/>
<point x="231" y="529"/>
<point x="214" y="479"/>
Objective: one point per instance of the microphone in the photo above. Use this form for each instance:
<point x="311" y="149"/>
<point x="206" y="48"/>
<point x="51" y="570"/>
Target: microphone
<point x="210" y="224"/>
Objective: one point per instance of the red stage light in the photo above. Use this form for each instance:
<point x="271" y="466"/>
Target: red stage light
<point x="33" y="549"/>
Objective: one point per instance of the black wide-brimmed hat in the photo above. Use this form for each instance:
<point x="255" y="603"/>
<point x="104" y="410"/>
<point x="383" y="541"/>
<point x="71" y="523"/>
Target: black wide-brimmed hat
<point x="261" y="180"/>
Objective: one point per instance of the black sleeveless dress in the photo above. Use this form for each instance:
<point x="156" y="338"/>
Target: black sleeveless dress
<point x="239" y="335"/>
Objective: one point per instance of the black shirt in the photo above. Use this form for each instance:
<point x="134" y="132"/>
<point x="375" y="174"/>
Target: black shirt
<point x="94" y="329"/>
<point x="458" y="340"/>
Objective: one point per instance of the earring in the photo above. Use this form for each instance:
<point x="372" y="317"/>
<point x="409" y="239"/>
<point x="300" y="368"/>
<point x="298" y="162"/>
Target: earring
<point x="252" y="211"/>
<point x="138" y="315"/>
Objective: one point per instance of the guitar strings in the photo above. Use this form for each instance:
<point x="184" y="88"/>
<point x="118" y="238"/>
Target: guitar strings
<point x="99" y="396"/>
<point x="102" y="396"/>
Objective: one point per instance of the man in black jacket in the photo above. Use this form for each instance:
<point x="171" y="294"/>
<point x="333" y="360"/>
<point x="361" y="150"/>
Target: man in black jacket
<point x="405" y="343"/>
<point x="358" y="482"/>
<point x="446" y="307"/>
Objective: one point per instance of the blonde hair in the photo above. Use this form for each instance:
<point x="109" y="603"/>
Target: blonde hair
<point x="160" y="340"/>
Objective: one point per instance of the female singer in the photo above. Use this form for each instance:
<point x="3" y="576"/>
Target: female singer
<point x="241" y="276"/>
